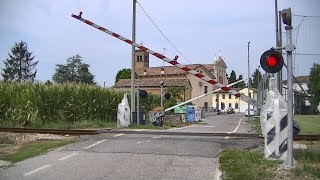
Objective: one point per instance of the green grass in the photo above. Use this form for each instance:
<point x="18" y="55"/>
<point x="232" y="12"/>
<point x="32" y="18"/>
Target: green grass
<point x="34" y="149"/>
<point x="309" y="124"/>
<point x="308" y="164"/>
<point x="245" y="164"/>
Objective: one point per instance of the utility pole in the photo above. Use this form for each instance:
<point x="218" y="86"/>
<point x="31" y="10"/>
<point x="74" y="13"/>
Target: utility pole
<point x="248" y="110"/>
<point x="133" y="60"/>
<point x="279" y="74"/>
<point x="280" y="45"/>
<point x="289" y="48"/>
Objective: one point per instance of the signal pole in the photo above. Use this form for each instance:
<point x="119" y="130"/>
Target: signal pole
<point x="132" y="60"/>
<point x="248" y="110"/>
<point x="286" y="18"/>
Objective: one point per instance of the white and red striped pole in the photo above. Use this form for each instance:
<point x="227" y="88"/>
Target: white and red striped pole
<point x="173" y="62"/>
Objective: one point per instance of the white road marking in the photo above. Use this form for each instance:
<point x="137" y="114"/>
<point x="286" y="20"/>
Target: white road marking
<point x="37" y="170"/>
<point x="138" y="142"/>
<point x="140" y="130"/>
<point x="94" y="144"/>
<point x="68" y="156"/>
<point x="205" y="126"/>
<point x="180" y="128"/>
<point x="117" y="135"/>
<point x="155" y="137"/>
<point x="148" y="140"/>
<point x="236" y="129"/>
<point x="226" y="137"/>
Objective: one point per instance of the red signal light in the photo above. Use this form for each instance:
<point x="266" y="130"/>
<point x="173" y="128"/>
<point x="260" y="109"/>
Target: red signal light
<point x="271" y="61"/>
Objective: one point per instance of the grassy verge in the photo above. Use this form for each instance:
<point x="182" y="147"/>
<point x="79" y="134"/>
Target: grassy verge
<point x="246" y="164"/>
<point x="18" y="153"/>
<point x="308" y="164"/>
<point x="309" y="124"/>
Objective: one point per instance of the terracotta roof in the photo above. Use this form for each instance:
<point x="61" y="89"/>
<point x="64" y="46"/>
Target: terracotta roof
<point x="208" y="66"/>
<point x="238" y="89"/>
<point x="168" y="70"/>
<point x="146" y="82"/>
<point x="300" y="79"/>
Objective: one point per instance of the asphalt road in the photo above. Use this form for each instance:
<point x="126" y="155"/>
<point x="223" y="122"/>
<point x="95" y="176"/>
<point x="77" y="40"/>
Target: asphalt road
<point x="140" y="156"/>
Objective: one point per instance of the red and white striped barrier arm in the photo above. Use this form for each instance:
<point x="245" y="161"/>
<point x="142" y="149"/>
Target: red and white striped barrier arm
<point x="173" y="62"/>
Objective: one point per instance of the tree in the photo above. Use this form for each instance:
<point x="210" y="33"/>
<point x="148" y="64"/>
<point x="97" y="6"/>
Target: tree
<point x="233" y="77"/>
<point x="73" y="71"/>
<point x="314" y="85"/>
<point x="124" y="74"/>
<point x="19" y="66"/>
<point x="240" y="84"/>
<point x="256" y="79"/>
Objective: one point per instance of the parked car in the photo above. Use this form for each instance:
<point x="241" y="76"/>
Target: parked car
<point x="251" y="112"/>
<point x="230" y="110"/>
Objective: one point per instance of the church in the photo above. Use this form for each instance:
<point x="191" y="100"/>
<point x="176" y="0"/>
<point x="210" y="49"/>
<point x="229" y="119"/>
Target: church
<point x="149" y="78"/>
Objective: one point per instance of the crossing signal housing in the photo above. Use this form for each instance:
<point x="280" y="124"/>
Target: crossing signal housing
<point x="143" y="93"/>
<point x="271" y="61"/>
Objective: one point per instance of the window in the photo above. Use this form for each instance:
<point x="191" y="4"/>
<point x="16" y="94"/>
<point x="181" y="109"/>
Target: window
<point x="230" y="105"/>
<point x="205" y="89"/>
<point x="222" y="106"/>
<point x="249" y="94"/>
<point x="236" y="106"/>
<point x="229" y="96"/>
<point x="223" y="96"/>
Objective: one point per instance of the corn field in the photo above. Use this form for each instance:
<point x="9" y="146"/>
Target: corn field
<point x="27" y="104"/>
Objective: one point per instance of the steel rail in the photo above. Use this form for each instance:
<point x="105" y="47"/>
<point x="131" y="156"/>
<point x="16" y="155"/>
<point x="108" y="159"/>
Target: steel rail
<point x="49" y="131"/>
<point x="110" y="131"/>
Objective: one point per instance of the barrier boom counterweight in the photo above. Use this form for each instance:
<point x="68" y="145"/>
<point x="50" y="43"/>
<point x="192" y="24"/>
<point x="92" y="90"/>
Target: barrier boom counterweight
<point x="170" y="61"/>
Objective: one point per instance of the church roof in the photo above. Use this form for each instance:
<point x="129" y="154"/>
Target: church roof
<point x="147" y="82"/>
<point x="168" y="70"/>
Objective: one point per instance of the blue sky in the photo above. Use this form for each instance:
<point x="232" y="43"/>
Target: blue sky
<point x="198" y="30"/>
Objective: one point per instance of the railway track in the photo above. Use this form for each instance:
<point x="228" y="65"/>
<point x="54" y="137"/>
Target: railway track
<point x="50" y="131"/>
<point x="92" y="132"/>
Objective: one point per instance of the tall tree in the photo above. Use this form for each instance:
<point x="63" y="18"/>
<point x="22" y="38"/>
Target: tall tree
<point x="19" y="66"/>
<point x="73" y="71"/>
<point x="233" y="77"/>
<point x="240" y="84"/>
<point x="256" y="78"/>
<point x="314" y="85"/>
<point x="123" y="74"/>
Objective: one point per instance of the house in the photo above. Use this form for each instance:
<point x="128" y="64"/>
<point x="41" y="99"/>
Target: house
<point x="222" y="100"/>
<point x="300" y="97"/>
<point x="149" y="78"/>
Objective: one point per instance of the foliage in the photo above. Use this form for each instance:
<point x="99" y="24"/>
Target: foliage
<point x="124" y="74"/>
<point x="62" y="105"/>
<point x="74" y="71"/>
<point x="34" y="105"/>
<point x="314" y="85"/>
<point x="256" y="78"/>
<point x="240" y="84"/>
<point x="233" y="77"/>
<point x="19" y="66"/>
<point x="176" y="95"/>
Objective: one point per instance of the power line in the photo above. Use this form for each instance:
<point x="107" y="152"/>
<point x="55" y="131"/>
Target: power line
<point x="162" y="32"/>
